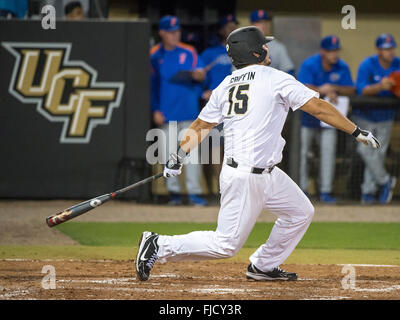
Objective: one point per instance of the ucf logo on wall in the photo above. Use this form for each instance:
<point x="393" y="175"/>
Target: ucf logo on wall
<point x="63" y="90"/>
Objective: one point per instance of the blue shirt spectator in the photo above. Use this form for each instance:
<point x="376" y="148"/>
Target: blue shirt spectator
<point x="326" y="73"/>
<point x="174" y="91"/>
<point x="312" y="73"/>
<point x="373" y="80"/>
<point x="371" y="72"/>
<point x="18" y="8"/>
<point x="218" y="65"/>
<point x="176" y="73"/>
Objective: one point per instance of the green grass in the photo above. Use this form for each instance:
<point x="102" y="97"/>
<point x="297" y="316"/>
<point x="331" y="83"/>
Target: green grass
<point x="320" y="235"/>
<point x="324" y="242"/>
<point x="66" y="252"/>
<point x="299" y="256"/>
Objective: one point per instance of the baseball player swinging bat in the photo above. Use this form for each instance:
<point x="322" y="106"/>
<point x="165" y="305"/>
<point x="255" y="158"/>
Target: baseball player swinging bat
<point x="88" y="205"/>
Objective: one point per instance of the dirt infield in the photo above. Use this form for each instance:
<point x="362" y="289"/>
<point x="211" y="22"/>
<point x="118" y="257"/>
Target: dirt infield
<point x="189" y="281"/>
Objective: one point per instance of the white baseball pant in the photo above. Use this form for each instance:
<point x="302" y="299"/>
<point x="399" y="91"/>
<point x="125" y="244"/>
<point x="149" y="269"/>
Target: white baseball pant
<point x="243" y="196"/>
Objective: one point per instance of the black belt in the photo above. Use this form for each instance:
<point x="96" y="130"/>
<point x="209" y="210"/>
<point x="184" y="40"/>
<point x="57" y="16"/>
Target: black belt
<point x="232" y="163"/>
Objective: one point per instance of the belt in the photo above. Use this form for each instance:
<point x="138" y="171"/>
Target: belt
<point x="232" y="163"/>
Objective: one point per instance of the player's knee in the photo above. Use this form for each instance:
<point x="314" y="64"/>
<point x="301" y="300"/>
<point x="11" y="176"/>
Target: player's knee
<point x="226" y="253"/>
<point x="309" y="211"/>
<point x="228" y="250"/>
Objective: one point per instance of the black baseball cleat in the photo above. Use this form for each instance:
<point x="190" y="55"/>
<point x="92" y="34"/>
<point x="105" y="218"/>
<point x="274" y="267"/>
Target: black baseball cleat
<point x="276" y="274"/>
<point x="147" y="254"/>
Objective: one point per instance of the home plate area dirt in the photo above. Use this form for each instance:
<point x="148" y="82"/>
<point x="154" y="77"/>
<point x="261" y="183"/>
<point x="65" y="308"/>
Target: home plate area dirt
<point x="87" y="280"/>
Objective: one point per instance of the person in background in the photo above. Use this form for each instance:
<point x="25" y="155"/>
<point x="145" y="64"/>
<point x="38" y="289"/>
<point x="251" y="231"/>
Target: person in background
<point x="74" y="11"/>
<point x="218" y="65"/>
<point x="326" y="73"/>
<point x="13" y="9"/>
<point x="176" y="71"/>
<point x="278" y="53"/>
<point x="373" y="80"/>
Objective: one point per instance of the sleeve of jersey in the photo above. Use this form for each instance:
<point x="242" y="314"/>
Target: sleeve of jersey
<point x="293" y="93"/>
<point x="212" y="112"/>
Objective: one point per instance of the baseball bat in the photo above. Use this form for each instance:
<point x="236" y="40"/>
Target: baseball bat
<point x="88" y="205"/>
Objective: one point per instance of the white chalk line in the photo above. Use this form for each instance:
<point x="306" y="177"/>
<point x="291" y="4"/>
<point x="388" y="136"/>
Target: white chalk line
<point x="214" y="289"/>
<point x="194" y="291"/>
<point x="217" y="289"/>
<point x="166" y="275"/>
<point x="118" y="280"/>
<point x="130" y="289"/>
<point x="370" y="265"/>
<point x="223" y="290"/>
<point x="326" y="298"/>
<point x="61" y="260"/>
<point x="14" y="294"/>
<point x="105" y="281"/>
<point x="387" y="289"/>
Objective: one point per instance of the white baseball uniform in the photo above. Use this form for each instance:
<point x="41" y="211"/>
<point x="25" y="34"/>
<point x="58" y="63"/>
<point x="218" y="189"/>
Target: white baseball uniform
<point x="253" y="103"/>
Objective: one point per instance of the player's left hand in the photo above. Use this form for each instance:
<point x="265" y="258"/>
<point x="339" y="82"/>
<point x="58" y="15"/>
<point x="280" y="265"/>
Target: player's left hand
<point x="173" y="167"/>
<point x="366" y="137"/>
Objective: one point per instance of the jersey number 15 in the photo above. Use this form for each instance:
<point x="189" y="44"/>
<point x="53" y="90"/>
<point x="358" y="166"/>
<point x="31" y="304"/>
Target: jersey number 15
<point x="239" y="104"/>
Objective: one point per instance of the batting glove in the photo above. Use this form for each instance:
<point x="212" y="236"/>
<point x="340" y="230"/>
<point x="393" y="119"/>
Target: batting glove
<point x="366" y="137"/>
<point x="173" y="166"/>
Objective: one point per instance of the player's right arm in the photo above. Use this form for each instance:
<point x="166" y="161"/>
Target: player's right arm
<point x="197" y="131"/>
<point x="327" y="113"/>
<point x="295" y="95"/>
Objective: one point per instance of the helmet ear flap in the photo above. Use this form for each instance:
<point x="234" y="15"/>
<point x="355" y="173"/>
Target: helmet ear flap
<point x="260" y="54"/>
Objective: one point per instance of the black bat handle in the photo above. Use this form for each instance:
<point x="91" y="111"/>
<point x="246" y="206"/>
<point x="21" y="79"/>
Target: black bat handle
<point x="137" y="184"/>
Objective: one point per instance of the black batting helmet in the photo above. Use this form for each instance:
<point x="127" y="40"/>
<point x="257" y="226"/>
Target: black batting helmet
<point x="243" y="42"/>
